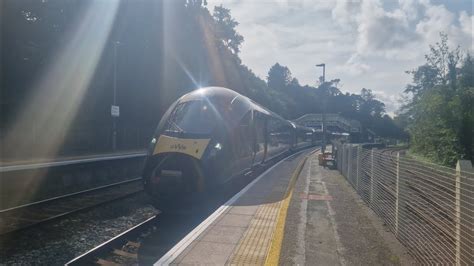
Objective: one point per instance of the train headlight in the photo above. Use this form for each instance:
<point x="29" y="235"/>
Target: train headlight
<point x="153" y="141"/>
<point x="215" y="149"/>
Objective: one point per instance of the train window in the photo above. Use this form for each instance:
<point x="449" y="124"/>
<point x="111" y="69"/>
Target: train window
<point x="235" y="111"/>
<point x="259" y="142"/>
<point x="259" y="123"/>
<point x="194" y="117"/>
<point x="278" y="131"/>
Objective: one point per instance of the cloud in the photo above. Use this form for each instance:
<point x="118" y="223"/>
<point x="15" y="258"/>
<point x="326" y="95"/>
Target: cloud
<point x="366" y="43"/>
<point x="466" y="22"/>
<point x="343" y="13"/>
<point x="381" y="31"/>
<point x="355" y="66"/>
<point x="411" y="8"/>
<point x="437" y="18"/>
<point x="392" y="101"/>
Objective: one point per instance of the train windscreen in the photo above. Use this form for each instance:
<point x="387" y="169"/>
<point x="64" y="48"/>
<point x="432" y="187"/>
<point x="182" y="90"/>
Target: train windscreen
<point x="192" y="117"/>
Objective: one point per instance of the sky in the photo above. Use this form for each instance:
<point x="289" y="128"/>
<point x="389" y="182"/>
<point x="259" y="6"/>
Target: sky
<point x="367" y="44"/>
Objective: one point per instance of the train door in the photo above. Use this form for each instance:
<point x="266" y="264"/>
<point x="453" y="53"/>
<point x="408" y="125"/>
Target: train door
<point x="279" y="137"/>
<point x="294" y="137"/>
<point x="243" y="145"/>
<point x="260" y="147"/>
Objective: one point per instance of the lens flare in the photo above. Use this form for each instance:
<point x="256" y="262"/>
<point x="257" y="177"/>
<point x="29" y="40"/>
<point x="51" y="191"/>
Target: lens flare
<point x="55" y="98"/>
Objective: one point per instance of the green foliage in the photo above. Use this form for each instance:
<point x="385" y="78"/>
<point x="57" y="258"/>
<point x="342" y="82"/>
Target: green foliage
<point x="279" y="77"/>
<point x="225" y="29"/>
<point x="434" y="129"/>
<point x="298" y="100"/>
<point x="440" y="114"/>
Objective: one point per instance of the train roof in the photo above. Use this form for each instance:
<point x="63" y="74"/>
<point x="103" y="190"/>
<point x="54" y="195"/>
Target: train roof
<point x="226" y="101"/>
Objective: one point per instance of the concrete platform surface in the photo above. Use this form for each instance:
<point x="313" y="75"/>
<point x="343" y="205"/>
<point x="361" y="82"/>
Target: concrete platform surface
<point x="296" y="213"/>
<point x="329" y="224"/>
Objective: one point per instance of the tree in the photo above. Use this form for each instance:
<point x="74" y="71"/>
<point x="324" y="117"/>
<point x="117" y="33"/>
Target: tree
<point x="443" y="60"/>
<point x="279" y="77"/>
<point x="439" y="115"/>
<point x="225" y="29"/>
<point x="466" y="100"/>
<point x="440" y="68"/>
<point x="370" y="105"/>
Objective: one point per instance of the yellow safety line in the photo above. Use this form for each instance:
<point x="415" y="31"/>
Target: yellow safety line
<point x="273" y="256"/>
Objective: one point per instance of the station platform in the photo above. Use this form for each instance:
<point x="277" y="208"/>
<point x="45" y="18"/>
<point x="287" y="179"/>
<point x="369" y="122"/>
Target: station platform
<point x="296" y="212"/>
<point x="15" y="165"/>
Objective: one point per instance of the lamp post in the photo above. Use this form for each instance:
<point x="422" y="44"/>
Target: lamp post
<point x="323" y="144"/>
<point x="115" y="109"/>
<point x="323" y="65"/>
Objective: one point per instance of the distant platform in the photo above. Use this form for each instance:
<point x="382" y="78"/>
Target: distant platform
<point x="40" y="163"/>
<point x="296" y="212"/>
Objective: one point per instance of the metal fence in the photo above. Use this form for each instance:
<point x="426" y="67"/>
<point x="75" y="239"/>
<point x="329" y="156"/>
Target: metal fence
<point x="428" y="207"/>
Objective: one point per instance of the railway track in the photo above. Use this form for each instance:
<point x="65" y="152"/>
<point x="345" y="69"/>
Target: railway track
<point x="120" y="250"/>
<point x="24" y="216"/>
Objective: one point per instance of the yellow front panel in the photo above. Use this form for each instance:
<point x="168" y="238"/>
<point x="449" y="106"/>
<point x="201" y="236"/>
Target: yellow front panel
<point x="192" y="147"/>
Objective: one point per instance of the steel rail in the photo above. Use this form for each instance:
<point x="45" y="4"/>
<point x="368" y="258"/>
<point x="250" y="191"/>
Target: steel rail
<point x="70" y="195"/>
<point x="17" y="214"/>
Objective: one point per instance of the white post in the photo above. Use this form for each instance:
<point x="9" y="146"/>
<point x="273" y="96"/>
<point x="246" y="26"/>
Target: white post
<point x="359" y="151"/>
<point x="346" y="161"/>
<point x="349" y="164"/>
<point x="372" y="178"/>
<point x="397" y="195"/>
<point x="458" y="214"/>
<point x="340" y="154"/>
<point x="343" y="165"/>
<point x="341" y="161"/>
<point x="464" y="213"/>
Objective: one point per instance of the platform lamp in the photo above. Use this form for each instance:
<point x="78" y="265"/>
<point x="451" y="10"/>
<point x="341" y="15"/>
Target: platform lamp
<point x="323" y="144"/>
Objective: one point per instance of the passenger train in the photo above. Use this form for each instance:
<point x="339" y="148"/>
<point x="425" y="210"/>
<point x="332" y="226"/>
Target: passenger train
<point x="211" y="136"/>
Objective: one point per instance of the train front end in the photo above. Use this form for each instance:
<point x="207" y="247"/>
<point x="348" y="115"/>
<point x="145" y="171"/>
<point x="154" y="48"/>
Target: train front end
<point x="186" y="152"/>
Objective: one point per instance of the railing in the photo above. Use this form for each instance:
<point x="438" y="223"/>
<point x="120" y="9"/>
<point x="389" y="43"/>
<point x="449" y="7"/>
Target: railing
<point x="428" y="207"/>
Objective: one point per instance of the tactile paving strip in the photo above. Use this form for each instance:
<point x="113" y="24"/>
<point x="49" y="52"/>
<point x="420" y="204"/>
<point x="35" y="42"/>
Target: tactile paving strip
<point x="253" y="247"/>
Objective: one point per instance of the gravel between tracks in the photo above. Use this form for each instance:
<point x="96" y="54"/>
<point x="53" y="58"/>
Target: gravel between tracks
<point x="57" y="242"/>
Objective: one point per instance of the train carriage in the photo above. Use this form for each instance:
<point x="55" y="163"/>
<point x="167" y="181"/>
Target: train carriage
<point x="210" y="136"/>
<point x="304" y="137"/>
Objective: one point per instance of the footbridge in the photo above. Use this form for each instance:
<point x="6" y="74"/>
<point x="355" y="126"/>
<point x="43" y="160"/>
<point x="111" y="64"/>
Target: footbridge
<point x="334" y="123"/>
